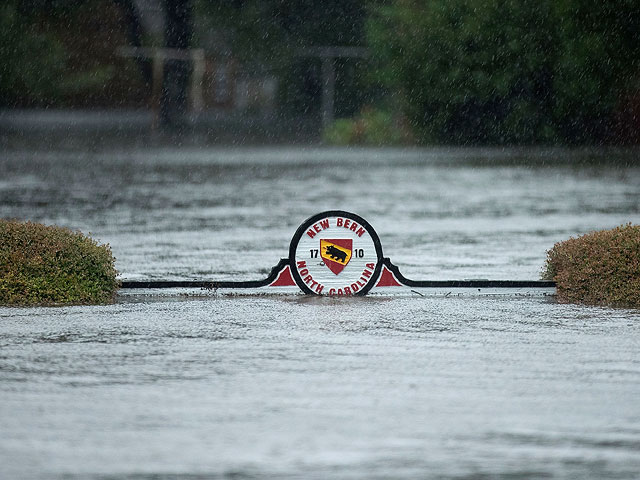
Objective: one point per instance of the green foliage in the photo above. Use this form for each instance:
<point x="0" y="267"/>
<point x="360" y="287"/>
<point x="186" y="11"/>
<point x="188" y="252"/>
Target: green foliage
<point x="46" y="56"/>
<point x="49" y="265"/>
<point x="507" y="71"/>
<point x="597" y="65"/>
<point x="32" y="62"/>
<point x="371" y="127"/>
<point x="600" y="268"/>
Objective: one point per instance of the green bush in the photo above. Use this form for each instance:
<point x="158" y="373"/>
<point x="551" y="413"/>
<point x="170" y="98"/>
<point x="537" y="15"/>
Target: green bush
<point x="600" y="268"/>
<point x="506" y="71"/>
<point x="370" y="127"/>
<point x="49" y="265"/>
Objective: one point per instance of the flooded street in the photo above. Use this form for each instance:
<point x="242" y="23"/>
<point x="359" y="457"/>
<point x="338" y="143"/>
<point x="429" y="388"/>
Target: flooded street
<point x="306" y="387"/>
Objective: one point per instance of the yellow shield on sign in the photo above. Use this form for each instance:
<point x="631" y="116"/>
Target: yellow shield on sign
<point x="336" y="253"/>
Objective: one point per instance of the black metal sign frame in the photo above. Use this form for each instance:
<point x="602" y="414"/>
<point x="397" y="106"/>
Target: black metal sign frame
<point x="385" y="273"/>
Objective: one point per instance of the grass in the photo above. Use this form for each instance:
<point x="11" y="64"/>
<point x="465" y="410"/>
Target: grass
<point x="369" y="127"/>
<point x="599" y="268"/>
<point x="50" y="265"/>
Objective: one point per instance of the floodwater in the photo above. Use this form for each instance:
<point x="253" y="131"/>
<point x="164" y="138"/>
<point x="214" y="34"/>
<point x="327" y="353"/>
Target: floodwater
<point x="304" y="387"/>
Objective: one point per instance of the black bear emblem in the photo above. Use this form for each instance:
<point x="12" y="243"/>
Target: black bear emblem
<point x="336" y="253"/>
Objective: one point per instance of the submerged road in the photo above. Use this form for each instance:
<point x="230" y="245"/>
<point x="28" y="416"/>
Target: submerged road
<point x="211" y="386"/>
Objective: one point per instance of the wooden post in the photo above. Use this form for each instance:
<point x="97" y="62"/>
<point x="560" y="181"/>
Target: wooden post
<point x="156" y="85"/>
<point x="328" y="90"/>
<point x="159" y="56"/>
<point x="328" y="57"/>
<point x="197" y="76"/>
<point x="178" y="32"/>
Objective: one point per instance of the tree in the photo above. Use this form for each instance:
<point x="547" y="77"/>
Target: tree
<point x="178" y="34"/>
<point x="598" y="65"/>
<point x="507" y="71"/>
<point x="32" y="62"/>
<point x="61" y="52"/>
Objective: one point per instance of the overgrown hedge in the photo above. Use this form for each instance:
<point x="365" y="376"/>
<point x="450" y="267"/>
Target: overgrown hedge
<point x="600" y="268"/>
<point x="49" y="265"/>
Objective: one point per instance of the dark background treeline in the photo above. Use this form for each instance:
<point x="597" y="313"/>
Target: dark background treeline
<point x="442" y="71"/>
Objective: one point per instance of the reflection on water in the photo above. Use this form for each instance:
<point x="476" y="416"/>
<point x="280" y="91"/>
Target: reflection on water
<point x="304" y="387"/>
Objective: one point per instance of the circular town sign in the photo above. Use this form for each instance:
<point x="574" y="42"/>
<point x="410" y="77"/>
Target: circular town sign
<point x="335" y="253"/>
<point x="338" y="253"/>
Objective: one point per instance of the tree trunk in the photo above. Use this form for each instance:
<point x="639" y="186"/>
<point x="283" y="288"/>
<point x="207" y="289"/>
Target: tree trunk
<point x="134" y="34"/>
<point x="177" y="34"/>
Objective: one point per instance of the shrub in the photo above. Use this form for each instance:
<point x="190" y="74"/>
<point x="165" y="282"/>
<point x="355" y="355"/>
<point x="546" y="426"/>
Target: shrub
<point x="600" y="268"/>
<point x="506" y="71"/>
<point x="370" y="127"/>
<point x="49" y="265"/>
